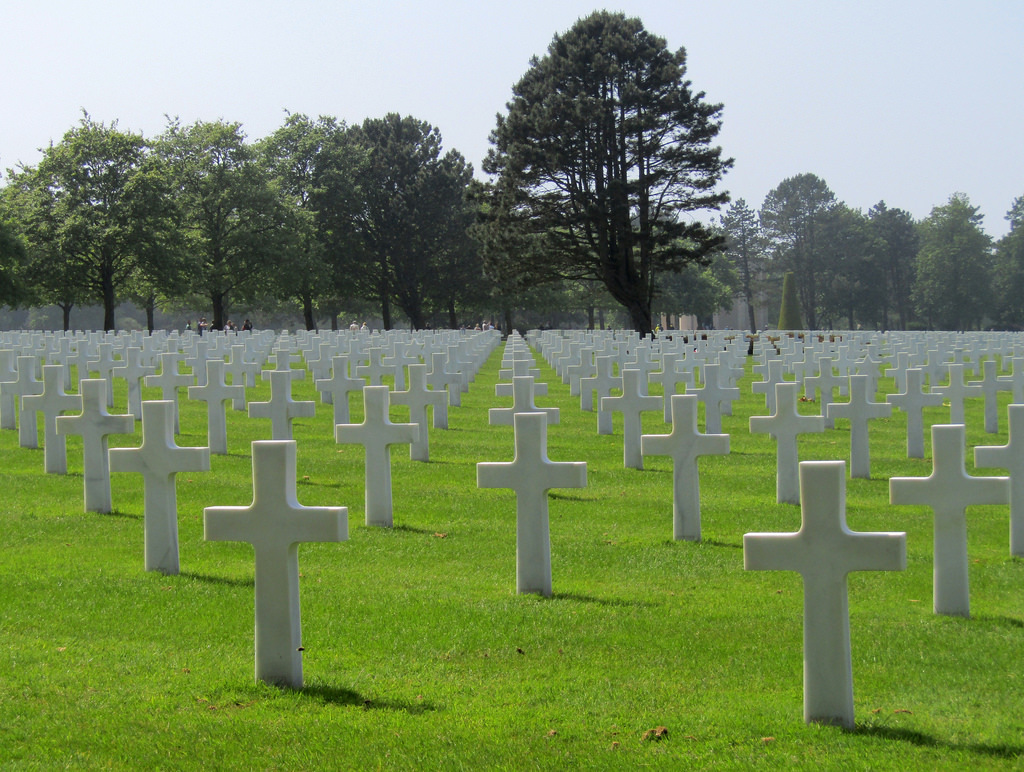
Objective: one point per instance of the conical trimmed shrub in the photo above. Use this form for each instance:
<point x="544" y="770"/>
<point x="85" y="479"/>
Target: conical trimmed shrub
<point x="789" y="314"/>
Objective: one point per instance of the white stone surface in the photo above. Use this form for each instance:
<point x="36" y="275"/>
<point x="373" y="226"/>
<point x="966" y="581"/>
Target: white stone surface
<point x="51" y="403"/>
<point x="632" y="403"/>
<point x="275" y="523"/>
<point x="785" y="425"/>
<point x="1011" y="458"/>
<point x="94" y="425"/>
<point x="158" y="460"/>
<point x="949" y="490"/>
<point x="216" y="394"/>
<point x="859" y="410"/>
<point x="531" y="474"/>
<point x="377" y="434"/>
<point x="685" y="444"/>
<point x="282" y="409"/>
<point x="824" y="551"/>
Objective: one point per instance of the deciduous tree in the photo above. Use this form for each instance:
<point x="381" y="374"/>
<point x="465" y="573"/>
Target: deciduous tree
<point x="953" y="267"/>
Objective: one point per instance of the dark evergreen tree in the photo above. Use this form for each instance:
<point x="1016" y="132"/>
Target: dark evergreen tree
<point x="604" y="146"/>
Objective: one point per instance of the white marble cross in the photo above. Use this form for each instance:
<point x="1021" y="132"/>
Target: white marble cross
<point x="531" y="474"/>
<point x="912" y="401"/>
<point x="27" y="386"/>
<point x="603" y="383"/>
<point x="375" y="370"/>
<point x="785" y="425"/>
<point x="1015" y="380"/>
<point x="522" y="402"/>
<point x="133" y="371"/>
<point x="860" y="409"/>
<point x="956" y="391"/>
<point x="949" y="490"/>
<point x="158" y="460"/>
<point x="24" y="385"/>
<point x="824" y="382"/>
<point x="418" y="397"/>
<point x="670" y="377"/>
<point x="632" y="403"/>
<point x="104" y="365"/>
<point x="216" y="394"/>
<point x="685" y="444"/>
<point x="824" y="551"/>
<point x="717" y="399"/>
<point x="440" y="377"/>
<point x="51" y="403"/>
<point x="990" y="387"/>
<point x="281" y="409"/>
<point x="94" y="425"/>
<point x="377" y="434"/>
<point x="767" y="386"/>
<point x="8" y="401"/>
<point x="169" y="381"/>
<point x="335" y="390"/>
<point x="275" y="523"/>
<point x="1011" y="458"/>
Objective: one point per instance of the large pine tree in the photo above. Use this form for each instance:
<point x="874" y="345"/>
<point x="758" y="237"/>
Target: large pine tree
<point x="603" y="149"/>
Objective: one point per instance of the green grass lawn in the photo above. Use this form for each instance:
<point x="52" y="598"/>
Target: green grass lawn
<point x="418" y="652"/>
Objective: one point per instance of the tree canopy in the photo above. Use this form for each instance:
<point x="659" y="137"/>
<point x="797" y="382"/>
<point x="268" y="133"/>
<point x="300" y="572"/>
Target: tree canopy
<point x="605" y="146"/>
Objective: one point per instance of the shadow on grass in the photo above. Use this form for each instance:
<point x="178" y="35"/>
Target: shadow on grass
<point x="218" y="579"/>
<point x="336" y="695"/>
<point x="117" y="513"/>
<point x="1000" y="621"/>
<point x="602" y="601"/>
<point x="411" y="529"/>
<point x="921" y="739"/>
<point x="571" y="496"/>
<point x="718" y="543"/>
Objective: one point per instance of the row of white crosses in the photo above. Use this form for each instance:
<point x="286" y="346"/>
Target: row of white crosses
<point x="531" y="466"/>
<point x="825" y="551"/>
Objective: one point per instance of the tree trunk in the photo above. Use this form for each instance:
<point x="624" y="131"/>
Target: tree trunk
<point x="217" y="301"/>
<point x="385" y="311"/>
<point x="590" y="317"/>
<point x="750" y="316"/>
<point x="109" y="301"/>
<point x="507" y="314"/>
<point x="453" y="318"/>
<point x="66" y="310"/>
<point x="307" y="312"/>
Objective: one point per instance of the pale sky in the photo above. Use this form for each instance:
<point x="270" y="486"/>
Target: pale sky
<point x="908" y="101"/>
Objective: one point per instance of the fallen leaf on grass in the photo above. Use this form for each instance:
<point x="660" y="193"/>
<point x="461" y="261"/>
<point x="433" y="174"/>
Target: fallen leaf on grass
<point x="903" y="710"/>
<point x="876" y="711"/>
<point x="519" y="651"/>
<point x="658" y="733"/>
<point x="440" y="535"/>
<point x="552" y="732"/>
<point x="767" y="739"/>
<point x="615" y="745"/>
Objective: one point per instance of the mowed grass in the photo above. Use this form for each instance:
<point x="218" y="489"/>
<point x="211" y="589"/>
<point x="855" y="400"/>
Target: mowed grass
<point x="419" y="653"/>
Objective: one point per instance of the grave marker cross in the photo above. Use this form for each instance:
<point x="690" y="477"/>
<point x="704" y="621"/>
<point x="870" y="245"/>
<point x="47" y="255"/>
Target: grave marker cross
<point x="684" y="445"/>
<point x="275" y="523"/>
<point x="785" y="425"/>
<point x="158" y="460"/>
<point x="94" y="425"/>
<point x="824" y="551"/>
<point x="1011" y="458"/>
<point x="949" y="490"/>
<point x="531" y="474"/>
<point x="377" y="434"/>
<point x="51" y="403"/>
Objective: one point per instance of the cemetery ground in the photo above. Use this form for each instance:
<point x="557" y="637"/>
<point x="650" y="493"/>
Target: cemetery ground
<point x="418" y="653"/>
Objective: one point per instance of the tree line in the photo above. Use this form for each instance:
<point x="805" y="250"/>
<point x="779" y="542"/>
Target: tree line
<point x="604" y="197"/>
<point x="880" y="269"/>
<point x="319" y="215"/>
